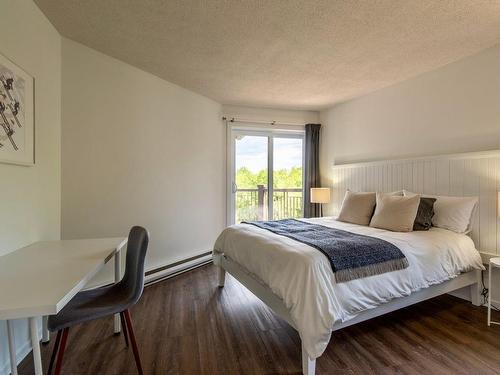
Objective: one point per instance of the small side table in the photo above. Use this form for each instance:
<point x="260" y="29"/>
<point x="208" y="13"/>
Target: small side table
<point x="494" y="263"/>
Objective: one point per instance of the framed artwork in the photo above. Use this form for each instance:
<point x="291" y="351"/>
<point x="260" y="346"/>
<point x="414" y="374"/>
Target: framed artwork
<point x="17" y="123"/>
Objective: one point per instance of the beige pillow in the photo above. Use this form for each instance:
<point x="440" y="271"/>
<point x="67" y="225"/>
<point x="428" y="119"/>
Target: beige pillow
<point x="398" y="192"/>
<point x="357" y="208"/>
<point x="395" y="213"/>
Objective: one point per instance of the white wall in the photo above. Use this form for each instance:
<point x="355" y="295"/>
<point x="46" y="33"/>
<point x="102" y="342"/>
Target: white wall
<point x="30" y="199"/>
<point x="139" y="150"/>
<point x="452" y="109"/>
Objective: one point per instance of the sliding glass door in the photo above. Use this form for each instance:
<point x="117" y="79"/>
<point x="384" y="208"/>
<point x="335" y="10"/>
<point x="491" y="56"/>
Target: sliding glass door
<point x="265" y="178"/>
<point x="287" y="181"/>
<point x="251" y="177"/>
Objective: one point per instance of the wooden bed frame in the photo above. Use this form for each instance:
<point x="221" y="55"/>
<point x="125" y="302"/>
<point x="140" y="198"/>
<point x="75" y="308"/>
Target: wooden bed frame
<point x="275" y="303"/>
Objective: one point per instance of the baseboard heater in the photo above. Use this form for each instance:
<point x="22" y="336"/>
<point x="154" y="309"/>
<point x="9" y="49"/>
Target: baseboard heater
<point x="176" y="268"/>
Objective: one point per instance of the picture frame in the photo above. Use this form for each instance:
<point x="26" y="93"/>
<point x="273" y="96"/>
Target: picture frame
<point x="17" y="120"/>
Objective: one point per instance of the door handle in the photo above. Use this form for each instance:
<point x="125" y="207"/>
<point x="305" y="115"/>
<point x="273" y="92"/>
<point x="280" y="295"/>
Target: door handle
<point x="235" y="187"/>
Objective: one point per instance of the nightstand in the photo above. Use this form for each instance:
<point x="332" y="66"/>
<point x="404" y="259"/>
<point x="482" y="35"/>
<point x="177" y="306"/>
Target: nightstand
<point x="494" y="263"/>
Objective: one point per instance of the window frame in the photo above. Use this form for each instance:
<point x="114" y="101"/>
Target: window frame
<point x="256" y="129"/>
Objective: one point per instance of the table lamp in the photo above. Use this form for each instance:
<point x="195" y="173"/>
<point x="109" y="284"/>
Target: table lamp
<point x="498" y="203"/>
<point x="320" y="195"/>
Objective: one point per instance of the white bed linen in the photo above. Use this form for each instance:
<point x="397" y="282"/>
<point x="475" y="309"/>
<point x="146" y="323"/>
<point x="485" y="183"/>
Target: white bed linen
<point x="302" y="276"/>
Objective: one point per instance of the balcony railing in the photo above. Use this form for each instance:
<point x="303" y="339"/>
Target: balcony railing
<point x="251" y="204"/>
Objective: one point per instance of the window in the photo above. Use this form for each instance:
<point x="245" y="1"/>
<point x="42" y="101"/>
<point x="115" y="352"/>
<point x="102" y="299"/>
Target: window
<point x="265" y="175"/>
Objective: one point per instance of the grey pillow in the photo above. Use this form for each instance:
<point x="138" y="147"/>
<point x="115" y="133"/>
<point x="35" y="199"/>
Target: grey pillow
<point x="425" y="212"/>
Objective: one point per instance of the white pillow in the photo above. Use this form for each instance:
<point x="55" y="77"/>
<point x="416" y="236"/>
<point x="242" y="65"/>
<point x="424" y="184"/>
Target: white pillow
<point x="395" y="212"/>
<point x="357" y="208"/>
<point x="453" y="213"/>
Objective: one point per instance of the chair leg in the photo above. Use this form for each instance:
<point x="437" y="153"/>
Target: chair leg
<point x="62" y="347"/>
<point x="54" y="352"/>
<point x="124" y="327"/>
<point x="130" y="329"/>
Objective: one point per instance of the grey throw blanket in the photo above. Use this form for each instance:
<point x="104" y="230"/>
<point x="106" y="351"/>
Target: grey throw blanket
<point x="351" y="255"/>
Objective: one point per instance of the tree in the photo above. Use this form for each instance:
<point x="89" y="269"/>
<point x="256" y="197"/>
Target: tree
<point x="286" y="204"/>
<point x="283" y="178"/>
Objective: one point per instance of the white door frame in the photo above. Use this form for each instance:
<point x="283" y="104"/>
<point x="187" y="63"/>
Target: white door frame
<point x="232" y="131"/>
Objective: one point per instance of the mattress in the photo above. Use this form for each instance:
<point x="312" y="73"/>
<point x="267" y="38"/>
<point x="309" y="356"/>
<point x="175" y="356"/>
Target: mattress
<point x="302" y="276"/>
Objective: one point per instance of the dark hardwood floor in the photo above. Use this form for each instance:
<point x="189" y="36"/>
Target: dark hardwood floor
<point x="186" y="325"/>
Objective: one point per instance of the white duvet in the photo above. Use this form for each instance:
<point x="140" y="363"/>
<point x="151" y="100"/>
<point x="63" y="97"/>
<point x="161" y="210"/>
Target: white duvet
<point x="302" y="276"/>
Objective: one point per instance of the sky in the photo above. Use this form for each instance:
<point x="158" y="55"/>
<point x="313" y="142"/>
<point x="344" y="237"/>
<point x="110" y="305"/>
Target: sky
<point x="251" y="152"/>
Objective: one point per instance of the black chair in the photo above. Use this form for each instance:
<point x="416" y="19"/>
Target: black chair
<point x="106" y="301"/>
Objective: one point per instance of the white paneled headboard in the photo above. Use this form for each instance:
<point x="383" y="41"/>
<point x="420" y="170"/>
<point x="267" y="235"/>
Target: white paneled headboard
<point x="467" y="174"/>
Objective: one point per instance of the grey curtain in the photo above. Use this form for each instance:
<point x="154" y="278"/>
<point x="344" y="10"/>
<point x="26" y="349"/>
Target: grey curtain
<point x="311" y="169"/>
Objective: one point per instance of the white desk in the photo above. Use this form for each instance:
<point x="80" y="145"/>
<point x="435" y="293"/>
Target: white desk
<point x="40" y="279"/>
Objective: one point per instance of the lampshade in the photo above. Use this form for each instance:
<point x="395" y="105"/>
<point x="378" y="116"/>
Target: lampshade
<point x="320" y="195"/>
<point x="498" y="203"/>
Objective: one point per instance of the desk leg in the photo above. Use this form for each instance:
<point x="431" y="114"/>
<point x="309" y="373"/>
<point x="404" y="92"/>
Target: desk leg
<point x="118" y="263"/>
<point x="35" y="343"/>
<point x="12" y="348"/>
<point x="45" y="330"/>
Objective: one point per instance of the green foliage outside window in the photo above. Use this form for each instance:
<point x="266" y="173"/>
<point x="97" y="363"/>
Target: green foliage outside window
<point x="283" y="178"/>
<point x="286" y="203"/>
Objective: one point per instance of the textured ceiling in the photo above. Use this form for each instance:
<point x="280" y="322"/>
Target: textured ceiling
<point x="303" y="54"/>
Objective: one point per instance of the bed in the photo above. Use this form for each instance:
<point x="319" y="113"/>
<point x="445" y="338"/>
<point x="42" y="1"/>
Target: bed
<point x="296" y="280"/>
